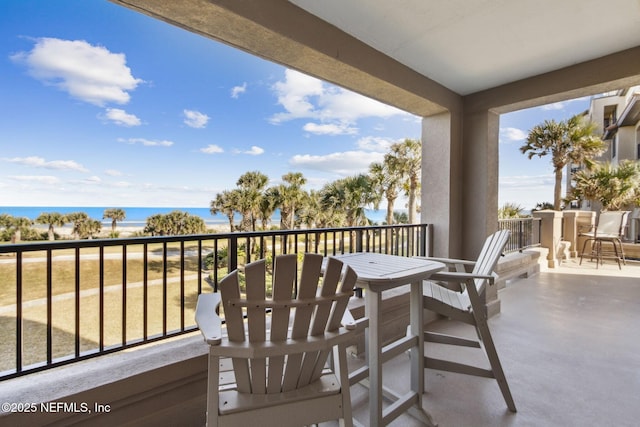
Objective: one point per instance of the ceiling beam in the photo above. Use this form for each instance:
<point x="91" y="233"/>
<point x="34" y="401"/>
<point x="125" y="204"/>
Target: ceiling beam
<point x="611" y="72"/>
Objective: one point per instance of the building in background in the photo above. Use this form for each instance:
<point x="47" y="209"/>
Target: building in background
<point x="617" y="115"/>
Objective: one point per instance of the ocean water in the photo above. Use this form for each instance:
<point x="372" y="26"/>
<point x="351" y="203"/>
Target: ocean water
<point x="137" y="216"/>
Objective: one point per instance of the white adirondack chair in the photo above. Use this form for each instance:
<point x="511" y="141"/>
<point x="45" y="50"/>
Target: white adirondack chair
<point x="279" y="352"/>
<point x="459" y="295"/>
<point x="609" y="229"/>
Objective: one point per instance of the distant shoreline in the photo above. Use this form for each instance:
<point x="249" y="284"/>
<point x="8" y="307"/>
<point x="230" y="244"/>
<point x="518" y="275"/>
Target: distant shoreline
<point x="66" y="231"/>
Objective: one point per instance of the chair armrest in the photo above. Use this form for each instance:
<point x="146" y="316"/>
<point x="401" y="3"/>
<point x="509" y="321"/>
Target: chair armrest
<point x="459" y="264"/>
<point x="350" y="323"/>
<point x="459" y="277"/>
<point x="586" y="228"/>
<point x="207" y="319"/>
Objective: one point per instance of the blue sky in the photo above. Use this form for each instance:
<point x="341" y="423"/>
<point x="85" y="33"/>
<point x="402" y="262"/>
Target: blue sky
<point x="103" y="106"/>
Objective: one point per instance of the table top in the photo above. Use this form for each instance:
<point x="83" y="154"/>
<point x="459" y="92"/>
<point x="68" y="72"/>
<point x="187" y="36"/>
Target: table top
<point x="380" y="272"/>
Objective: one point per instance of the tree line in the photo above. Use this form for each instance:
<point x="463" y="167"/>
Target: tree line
<point x="338" y="203"/>
<point x="19" y="228"/>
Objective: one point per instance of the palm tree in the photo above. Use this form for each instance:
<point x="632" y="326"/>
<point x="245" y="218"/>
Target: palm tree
<point x="510" y="210"/>
<point x="155" y="225"/>
<point x="77" y="218"/>
<point x="400" y="217"/>
<point x="251" y="185"/>
<point x="571" y="141"/>
<point x="225" y="203"/>
<point x="19" y="224"/>
<point x="89" y="228"/>
<point x="269" y="202"/>
<point x="52" y="219"/>
<point x="291" y="195"/>
<point x="311" y="210"/>
<point x="405" y="161"/>
<point x="350" y="195"/>
<point x="115" y="214"/>
<point x="385" y="182"/>
<point x="193" y="224"/>
<point x="614" y="187"/>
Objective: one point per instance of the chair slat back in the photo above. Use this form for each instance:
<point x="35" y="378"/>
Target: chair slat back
<point x="489" y="257"/>
<point x="284" y="276"/>
<point x="234" y="318"/>
<point x="611" y="223"/>
<point x="314" y="311"/>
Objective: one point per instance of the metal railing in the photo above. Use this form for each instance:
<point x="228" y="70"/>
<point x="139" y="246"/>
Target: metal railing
<point x="65" y="301"/>
<point x="525" y="233"/>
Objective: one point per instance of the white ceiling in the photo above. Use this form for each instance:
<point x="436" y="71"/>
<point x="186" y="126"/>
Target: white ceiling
<point x="474" y="45"/>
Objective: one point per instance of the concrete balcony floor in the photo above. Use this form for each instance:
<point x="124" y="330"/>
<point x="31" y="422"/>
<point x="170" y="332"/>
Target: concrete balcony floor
<point x="569" y="342"/>
<point x="568" y="339"/>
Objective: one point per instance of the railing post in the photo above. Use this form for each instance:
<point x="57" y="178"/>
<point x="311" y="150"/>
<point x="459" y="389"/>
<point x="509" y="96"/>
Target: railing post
<point x="232" y="253"/>
<point x="359" y="240"/>
<point x="426" y="241"/>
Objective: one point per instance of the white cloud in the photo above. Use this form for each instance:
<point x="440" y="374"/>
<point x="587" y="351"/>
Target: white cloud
<point x="330" y="129"/>
<point x="212" y="149"/>
<point x="121" y="117"/>
<point x="305" y="97"/>
<point x="343" y="163"/>
<point x="294" y="94"/>
<point x="113" y="172"/>
<point x="93" y="180"/>
<point x="90" y="73"/>
<point x="40" y="179"/>
<point x="512" y="134"/>
<point x="554" y="106"/>
<point x="39" y="162"/>
<point x="147" y="142"/>
<point x="373" y="143"/>
<point x="195" y="119"/>
<point x="254" y="151"/>
<point x="237" y="90"/>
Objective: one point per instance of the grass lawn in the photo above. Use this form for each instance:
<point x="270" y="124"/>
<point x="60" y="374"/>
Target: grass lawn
<point x="63" y="275"/>
<point x="63" y="280"/>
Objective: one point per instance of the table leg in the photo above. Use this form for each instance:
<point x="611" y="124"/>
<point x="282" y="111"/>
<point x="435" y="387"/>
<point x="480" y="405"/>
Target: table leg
<point x="417" y="352"/>
<point x="374" y="356"/>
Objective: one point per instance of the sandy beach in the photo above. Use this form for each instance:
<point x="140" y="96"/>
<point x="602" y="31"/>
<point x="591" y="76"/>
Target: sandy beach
<point x="66" y="232"/>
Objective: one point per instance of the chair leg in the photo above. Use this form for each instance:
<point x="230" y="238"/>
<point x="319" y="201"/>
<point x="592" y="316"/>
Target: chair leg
<point x="494" y="361"/>
<point x="341" y="369"/>
<point x="584" y="246"/>
<point x="615" y="250"/>
<point x="624" y="259"/>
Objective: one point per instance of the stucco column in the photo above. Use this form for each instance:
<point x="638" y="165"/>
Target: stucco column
<point x="480" y="180"/>
<point x="460" y="180"/>
<point x="550" y="233"/>
<point x="441" y="202"/>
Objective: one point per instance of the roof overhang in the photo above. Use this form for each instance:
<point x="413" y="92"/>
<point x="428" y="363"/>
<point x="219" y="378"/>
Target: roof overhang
<point x="427" y="56"/>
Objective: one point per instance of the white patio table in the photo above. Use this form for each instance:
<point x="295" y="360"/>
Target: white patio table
<point x="378" y="273"/>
